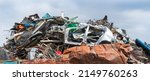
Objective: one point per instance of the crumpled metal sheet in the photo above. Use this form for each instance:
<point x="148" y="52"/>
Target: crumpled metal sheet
<point x="99" y="54"/>
<point x="88" y="34"/>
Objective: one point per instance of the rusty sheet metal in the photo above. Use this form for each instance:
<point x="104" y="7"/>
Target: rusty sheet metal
<point x="99" y="54"/>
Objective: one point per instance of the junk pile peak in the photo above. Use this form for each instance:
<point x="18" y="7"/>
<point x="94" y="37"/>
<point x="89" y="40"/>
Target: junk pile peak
<point x="60" y="39"/>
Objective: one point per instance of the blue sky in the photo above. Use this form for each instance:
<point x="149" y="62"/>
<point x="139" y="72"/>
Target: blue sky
<point x="132" y="15"/>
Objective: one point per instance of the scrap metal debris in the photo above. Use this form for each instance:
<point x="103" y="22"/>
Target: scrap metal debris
<point x="117" y="54"/>
<point x="64" y="40"/>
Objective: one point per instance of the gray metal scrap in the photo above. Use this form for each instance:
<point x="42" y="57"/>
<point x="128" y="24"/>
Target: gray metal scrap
<point x="100" y="33"/>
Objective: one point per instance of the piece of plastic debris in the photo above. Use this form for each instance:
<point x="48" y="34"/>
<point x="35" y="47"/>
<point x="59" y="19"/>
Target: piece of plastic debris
<point x="46" y="16"/>
<point x="143" y="45"/>
<point x="58" y="52"/>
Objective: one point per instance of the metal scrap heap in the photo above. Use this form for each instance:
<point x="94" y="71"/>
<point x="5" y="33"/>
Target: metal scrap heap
<point x="64" y="40"/>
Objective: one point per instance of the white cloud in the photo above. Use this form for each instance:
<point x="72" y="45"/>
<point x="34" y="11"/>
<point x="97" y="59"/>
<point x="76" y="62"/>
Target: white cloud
<point x="138" y="23"/>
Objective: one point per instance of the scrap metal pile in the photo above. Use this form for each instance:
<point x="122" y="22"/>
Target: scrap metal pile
<point x="63" y="40"/>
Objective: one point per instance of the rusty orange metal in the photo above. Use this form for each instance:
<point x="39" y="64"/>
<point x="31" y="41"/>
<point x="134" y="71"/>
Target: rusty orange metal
<point x="99" y="54"/>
